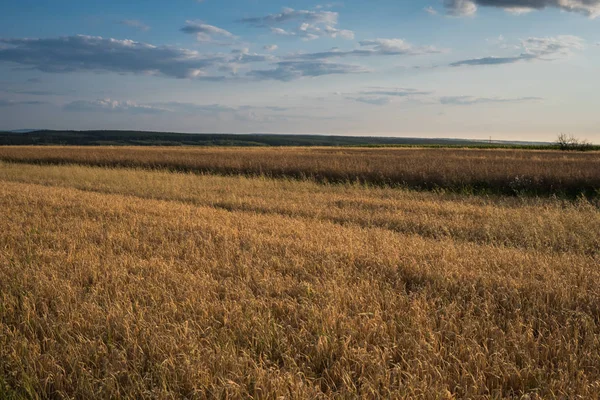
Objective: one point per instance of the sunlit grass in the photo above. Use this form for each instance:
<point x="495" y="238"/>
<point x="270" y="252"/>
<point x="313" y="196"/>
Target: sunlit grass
<point x="479" y="171"/>
<point x="544" y="224"/>
<point x="135" y="283"/>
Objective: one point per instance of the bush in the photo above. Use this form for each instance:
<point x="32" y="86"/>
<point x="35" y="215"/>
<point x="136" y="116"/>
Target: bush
<point x="570" y="142"/>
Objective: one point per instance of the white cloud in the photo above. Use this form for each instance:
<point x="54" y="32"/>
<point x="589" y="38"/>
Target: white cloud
<point x="282" y="32"/>
<point x="385" y="95"/>
<point x="108" y="105"/>
<point x="460" y="8"/>
<point x="305" y="24"/>
<point x="290" y="70"/>
<point x="470" y="100"/>
<point x="375" y="47"/>
<point x="552" y="46"/>
<point x="533" y="48"/>
<point x="97" y="54"/>
<point x="216" y="111"/>
<point x="518" y="10"/>
<point x="206" y="33"/>
<point x="373" y="100"/>
<point x="289" y="14"/>
<point x="394" y="92"/>
<point x="590" y="8"/>
<point x="396" y="46"/>
<point x="270" y="47"/>
<point x="244" y="56"/>
<point x="342" y="33"/>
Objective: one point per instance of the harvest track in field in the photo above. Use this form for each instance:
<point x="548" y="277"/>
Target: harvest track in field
<point x="460" y="170"/>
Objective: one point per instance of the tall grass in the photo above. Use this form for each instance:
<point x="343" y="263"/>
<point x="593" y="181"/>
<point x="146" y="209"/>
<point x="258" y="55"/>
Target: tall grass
<point x="532" y="223"/>
<point x="146" y="284"/>
<point x="462" y="170"/>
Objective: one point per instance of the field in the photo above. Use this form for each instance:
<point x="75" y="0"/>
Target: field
<point x="459" y="170"/>
<point x="299" y="273"/>
<point x="141" y="138"/>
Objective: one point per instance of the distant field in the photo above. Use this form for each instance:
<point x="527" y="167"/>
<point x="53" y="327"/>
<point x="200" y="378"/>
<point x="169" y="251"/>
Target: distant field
<point x="461" y="170"/>
<point x="141" y="138"/>
<point x="139" y="283"/>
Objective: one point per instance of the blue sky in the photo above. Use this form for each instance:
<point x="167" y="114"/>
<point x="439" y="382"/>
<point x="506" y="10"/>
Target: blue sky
<point x="509" y="69"/>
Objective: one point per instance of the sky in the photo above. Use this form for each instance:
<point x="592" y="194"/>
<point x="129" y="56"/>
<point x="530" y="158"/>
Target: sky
<point x="500" y="69"/>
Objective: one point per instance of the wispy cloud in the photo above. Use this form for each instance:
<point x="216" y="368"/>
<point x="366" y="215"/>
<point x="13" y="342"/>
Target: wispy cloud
<point x="460" y="8"/>
<point x="109" y="105"/>
<point x="493" y="60"/>
<point x="10" y="103"/>
<point x="216" y="111"/>
<point x="385" y="95"/>
<point x="590" y="8"/>
<point x="206" y="33"/>
<point x="395" y="47"/>
<point x="134" y="23"/>
<point x="470" y="100"/>
<point x="290" y="70"/>
<point x="430" y="10"/>
<point x="192" y="108"/>
<point x="244" y="56"/>
<point x="305" y="24"/>
<point x="36" y="92"/>
<point x="289" y="14"/>
<point x="533" y="49"/>
<point x="241" y="57"/>
<point x="250" y="113"/>
<point x="394" y="92"/>
<point x="375" y="47"/>
<point x="373" y="100"/>
<point x="381" y="96"/>
<point x="97" y="54"/>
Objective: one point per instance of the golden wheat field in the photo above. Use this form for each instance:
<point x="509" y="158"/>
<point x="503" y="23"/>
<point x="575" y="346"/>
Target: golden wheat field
<point x="122" y="276"/>
<point x="503" y="171"/>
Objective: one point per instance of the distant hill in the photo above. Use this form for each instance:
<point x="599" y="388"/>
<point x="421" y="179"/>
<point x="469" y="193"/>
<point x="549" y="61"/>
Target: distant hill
<point x="141" y="138"/>
<point x="23" y="130"/>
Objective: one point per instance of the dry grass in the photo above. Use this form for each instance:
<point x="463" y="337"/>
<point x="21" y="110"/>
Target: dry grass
<point x="132" y="283"/>
<point x="532" y="223"/>
<point x="471" y="170"/>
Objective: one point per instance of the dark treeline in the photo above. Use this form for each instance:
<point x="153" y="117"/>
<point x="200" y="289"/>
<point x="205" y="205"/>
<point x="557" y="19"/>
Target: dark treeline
<point x="140" y="138"/>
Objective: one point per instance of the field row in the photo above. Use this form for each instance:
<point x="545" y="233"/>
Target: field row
<point x="531" y="223"/>
<point x="464" y="170"/>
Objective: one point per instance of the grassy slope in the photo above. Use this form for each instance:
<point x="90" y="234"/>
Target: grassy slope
<point x="154" y="284"/>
